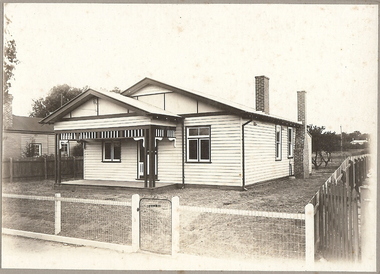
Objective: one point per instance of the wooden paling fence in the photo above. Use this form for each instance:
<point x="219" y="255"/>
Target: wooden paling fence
<point x="337" y="211"/>
<point x="41" y="168"/>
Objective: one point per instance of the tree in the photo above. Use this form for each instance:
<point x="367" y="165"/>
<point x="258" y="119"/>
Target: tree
<point x="77" y="150"/>
<point x="30" y="150"/>
<point x="323" y="144"/>
<point x="116" y="90"/>
<point x="57" y="97"/>
<point x="10" y="59"/>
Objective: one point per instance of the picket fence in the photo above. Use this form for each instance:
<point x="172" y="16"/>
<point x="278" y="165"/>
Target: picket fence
<point x="336" y="208"/>
<point x="41" y="168"/>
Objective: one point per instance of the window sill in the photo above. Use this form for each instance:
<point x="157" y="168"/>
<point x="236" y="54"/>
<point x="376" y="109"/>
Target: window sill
<point x="111" y="161"/>
<point x="198" y="162"/>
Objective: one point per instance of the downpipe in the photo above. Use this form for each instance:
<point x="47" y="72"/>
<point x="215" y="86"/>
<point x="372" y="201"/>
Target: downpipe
<point x="243" y="153"/>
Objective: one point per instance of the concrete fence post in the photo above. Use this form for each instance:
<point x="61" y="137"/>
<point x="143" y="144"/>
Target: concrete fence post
<point x="309" y="235"/>
<point x="135" y="222"/>
<point x="57" y="214"/>
<point x="175" y="226"/>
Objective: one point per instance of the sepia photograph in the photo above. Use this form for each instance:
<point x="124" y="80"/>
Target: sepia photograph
<point x="187" y="136"/>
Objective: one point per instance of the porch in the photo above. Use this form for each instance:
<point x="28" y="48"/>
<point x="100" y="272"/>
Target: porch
<point x="111" y="160"/>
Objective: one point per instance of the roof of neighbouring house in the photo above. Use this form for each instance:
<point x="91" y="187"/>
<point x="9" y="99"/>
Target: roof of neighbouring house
<point x="29" y="125"/>
<point x="358" y="141"/>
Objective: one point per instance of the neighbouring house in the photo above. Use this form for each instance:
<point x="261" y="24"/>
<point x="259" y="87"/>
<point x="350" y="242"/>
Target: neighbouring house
<point x="25" y="133"/>
<point x="358" y="142"/>
<point x="26" y="137"/>
<point x="154" y="133"/>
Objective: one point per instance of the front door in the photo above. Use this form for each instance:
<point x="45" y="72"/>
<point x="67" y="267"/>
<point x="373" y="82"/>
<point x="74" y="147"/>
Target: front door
<point x="141" y="161"/>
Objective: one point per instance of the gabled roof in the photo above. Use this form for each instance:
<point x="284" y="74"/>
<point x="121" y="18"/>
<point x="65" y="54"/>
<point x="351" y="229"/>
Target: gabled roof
<point x="130" y="103"/>
<point x="29" y="125"/>
<point x="235" y="108"/>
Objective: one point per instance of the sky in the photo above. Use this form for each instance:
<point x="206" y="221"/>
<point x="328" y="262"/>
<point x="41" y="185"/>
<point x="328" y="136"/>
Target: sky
<point x="329" y="51"/>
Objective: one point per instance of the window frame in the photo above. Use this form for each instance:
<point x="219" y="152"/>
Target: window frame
<point x="278" y="143"/>
<point x="290" y="143"/>
<point x="39" y="149"/>
<point x="199" y="138"/>
<point x="65" y="153"/>
<point x="112" y="151"/>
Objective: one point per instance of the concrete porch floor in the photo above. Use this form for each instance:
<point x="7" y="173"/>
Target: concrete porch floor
<point x="113" y="184"/>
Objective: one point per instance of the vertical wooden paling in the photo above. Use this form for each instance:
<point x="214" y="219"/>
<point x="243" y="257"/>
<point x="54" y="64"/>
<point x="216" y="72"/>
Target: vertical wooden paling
<point x="345" y="226"/>
<point x="356" y="227"/>
<point x="330" y="228"/>
<point x="324" y="215"/>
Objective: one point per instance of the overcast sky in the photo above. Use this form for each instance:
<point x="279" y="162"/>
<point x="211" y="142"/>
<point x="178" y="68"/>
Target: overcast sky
<point x="330" y="51"/>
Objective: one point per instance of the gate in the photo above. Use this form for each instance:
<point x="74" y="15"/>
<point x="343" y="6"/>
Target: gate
<point x="156" y="225"/>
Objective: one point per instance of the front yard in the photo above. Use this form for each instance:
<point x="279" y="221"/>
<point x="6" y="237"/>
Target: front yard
<point x="285" y="195"/>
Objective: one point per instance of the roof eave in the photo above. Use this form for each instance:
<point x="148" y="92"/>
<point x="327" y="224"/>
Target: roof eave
<point x="268" y="118"/>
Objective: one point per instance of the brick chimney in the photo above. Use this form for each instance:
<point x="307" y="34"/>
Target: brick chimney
<point x="301" y="149"/>
<point x="262" y="93"/>
<point x="7" y="111"/>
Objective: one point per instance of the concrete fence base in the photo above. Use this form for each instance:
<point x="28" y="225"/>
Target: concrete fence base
<point x="67" y="240"/>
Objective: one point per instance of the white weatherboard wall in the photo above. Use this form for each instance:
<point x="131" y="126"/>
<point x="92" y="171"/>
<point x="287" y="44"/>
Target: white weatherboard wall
<point x="95" y="169"/>
<point x="225" y="167"/>
<point x="260" y="161"/>
<point x="170" y="159"/>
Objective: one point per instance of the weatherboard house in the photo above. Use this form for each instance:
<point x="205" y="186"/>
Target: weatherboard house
<point x="154" y="134"/>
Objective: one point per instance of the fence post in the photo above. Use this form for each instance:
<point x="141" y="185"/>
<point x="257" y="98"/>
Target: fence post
<point x="45" y="168"/>
<point x="175" y="226"/>
<point x="74" y="165"/>
<point x="368" y="227"/>
<point x="11" y="169"/>
<point x="135" y="222"/>
<point x="57" y="214"/>
<point x="309" y="235"/>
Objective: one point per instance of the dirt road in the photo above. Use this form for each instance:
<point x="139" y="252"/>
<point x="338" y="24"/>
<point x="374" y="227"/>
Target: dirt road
<point x="20" y="252"/>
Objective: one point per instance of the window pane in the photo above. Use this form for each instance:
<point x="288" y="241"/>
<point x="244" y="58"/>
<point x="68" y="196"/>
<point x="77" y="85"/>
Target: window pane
<point x="277" y="136"/>
<point x="193" y="150"/>
<point x="107" y="151"/>
<point x="205" y="149"/>
<point x="193" y="132"/>
<point x="204" y="131"/>
<point x="117" y="150"/>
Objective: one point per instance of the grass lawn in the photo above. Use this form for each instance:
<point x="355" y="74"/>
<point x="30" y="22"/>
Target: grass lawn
<point x="285" y="195"/>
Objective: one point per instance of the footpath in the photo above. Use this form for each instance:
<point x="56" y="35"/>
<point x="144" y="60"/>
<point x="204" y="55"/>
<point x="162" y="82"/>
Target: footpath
<point x="26" y="253"/>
